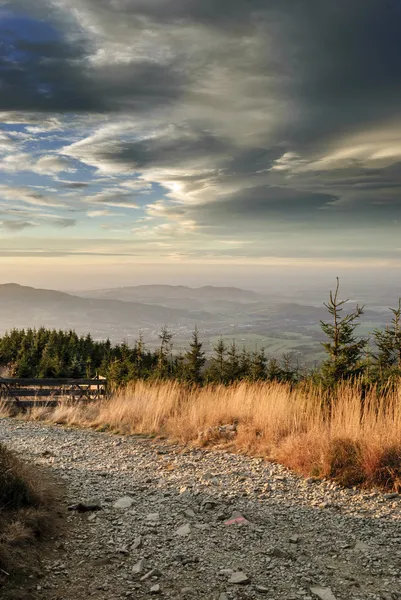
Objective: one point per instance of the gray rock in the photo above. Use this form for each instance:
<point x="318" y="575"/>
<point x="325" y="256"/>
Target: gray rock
<point x="86" y="506"/>
<point x="137" y="543"/>
<point x="361" y="546"/>
<point x="278" y="553"/>
<point x="294" y="539"/>
<point x="153" y="517"/>
<point x="262" y="589"/>
<point x="153" y="573"/>
<point x="138" y="567"/>
<point x="155" y="589"/>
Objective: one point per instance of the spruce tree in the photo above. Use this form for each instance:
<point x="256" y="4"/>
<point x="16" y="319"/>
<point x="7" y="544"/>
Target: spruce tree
<point x="388" y="343"/>
<point x="163" y="365"/>
<point x="194" y="359"/>
<point x="344" y="349"/>
<point x="217" y="370"/>
<point x="258" y="365"/>
<point x="233" y="365"/>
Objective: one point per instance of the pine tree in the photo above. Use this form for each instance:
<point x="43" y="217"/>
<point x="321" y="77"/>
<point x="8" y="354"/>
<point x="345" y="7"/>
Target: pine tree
<point x="258" y="366"/>
<point x="388" y="343"/>
<point x="233" y="366"/>
<point x="217" y="370"/>
<point x="194" y="359"/>
<point x="344" y="349"/>
<point x="163" y="364"/>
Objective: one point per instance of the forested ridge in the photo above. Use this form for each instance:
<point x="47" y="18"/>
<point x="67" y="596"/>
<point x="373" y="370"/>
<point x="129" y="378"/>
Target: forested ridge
<point x="55" y="353"/>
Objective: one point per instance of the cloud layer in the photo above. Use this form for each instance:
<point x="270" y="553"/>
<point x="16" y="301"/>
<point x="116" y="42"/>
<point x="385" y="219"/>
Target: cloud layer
<point x="188" y="128"/>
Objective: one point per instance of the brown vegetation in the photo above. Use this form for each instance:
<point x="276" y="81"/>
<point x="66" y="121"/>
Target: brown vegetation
<point x="351" y="438"/>
<point x="28" y="512"/>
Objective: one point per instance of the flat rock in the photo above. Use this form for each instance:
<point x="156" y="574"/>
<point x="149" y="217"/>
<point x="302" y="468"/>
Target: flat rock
<point x="324" y="593"/>
<point x="138" y="567"/>
<point x="184" y="530"/>
<point x="153" y="517"/>
<point x="125" y="502"/>
<point x="239" y="578"/>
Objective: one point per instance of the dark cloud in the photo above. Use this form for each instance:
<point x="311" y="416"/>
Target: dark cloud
<point x="57" y="76"/>
<point x="16" y="225"/>
<point x="75" y="185"/>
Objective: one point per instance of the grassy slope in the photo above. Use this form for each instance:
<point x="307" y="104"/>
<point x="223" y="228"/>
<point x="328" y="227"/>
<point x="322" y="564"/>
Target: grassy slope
<point x="357" y="443"/>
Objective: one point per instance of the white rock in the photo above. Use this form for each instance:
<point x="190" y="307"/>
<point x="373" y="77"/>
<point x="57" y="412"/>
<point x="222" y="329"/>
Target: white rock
<point x="184" y="530"/>
<point x="239" y="578"/>
<point x="324" y="593"/>
<point x="155" y="589"/>
<point x="125" y="502"/>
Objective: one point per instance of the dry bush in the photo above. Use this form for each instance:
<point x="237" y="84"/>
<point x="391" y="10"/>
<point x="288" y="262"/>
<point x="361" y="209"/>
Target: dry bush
<point x="5" y="409"/>
<point x="28" y="511"/>
<point x="342" y="462"/>
<point x="350" y="437"/>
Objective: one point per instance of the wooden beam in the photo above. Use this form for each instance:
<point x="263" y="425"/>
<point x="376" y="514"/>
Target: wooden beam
<point x="51" y="382"/>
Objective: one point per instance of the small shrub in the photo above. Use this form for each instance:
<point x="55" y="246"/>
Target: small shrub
<point x="387" y="472"/>
<point x="342" y="462"/>
<point x="15" y="490"/>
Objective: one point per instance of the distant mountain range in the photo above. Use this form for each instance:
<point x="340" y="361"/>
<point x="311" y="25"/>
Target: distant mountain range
<point x="22" y="306"/>
<point x="252" y="319"/>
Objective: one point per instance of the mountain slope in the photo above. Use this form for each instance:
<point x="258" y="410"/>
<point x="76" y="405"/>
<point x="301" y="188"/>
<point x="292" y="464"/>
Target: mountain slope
<point x="22" y="306"/>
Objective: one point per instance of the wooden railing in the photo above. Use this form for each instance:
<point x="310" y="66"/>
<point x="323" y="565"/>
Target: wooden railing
<point x="26" y="391"/>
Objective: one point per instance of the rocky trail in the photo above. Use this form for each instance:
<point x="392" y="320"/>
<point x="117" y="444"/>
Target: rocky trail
<point x="185" y="523"/>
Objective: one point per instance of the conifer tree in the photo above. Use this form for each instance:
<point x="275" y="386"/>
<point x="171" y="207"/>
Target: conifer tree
<point x="163" y="365"/>
<point x="194" y="359"/>
<point x="388" y="343"/>
<point x="344" y="349"/>
<point x="217" y="370"/>
<point x="233" y="365"/>
<point x="258" y="365"/>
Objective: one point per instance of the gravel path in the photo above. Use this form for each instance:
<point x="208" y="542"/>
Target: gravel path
<point x="304" y="540"/>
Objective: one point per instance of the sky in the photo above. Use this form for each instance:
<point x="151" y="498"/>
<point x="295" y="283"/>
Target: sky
<point x="193" y="140"/>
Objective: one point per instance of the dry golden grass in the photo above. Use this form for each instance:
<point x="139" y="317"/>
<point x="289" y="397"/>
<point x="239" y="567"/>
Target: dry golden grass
<point x="28" y="512"/>
<point x="356" y="442"/>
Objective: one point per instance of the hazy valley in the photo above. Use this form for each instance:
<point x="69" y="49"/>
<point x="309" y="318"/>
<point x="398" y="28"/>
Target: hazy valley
<point x="254" y="320"/>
